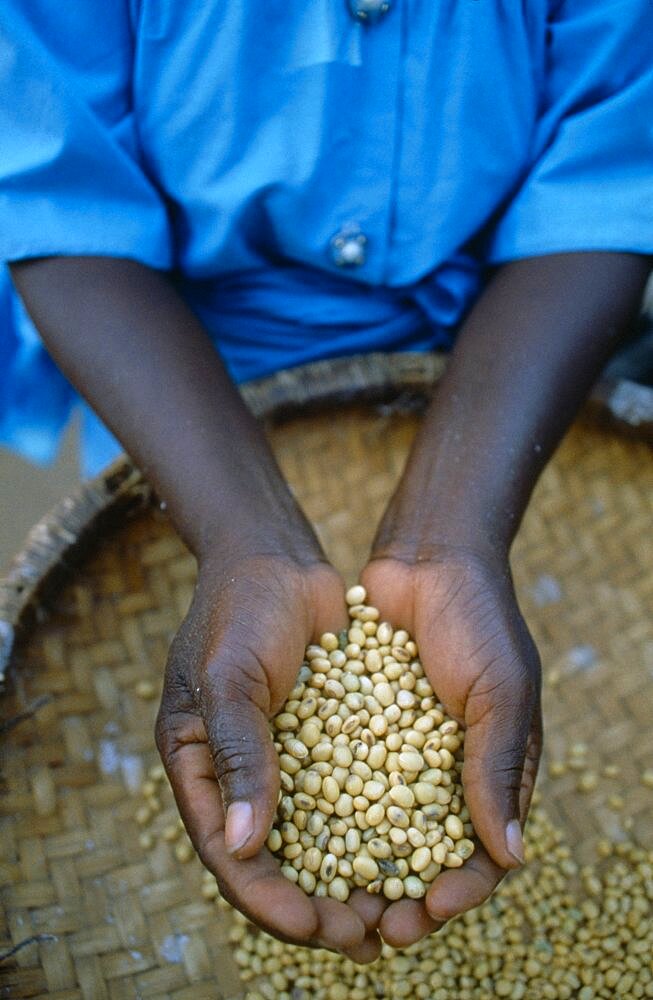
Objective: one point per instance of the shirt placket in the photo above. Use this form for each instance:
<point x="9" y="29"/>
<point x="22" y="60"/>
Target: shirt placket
<point x="361" y="242"/>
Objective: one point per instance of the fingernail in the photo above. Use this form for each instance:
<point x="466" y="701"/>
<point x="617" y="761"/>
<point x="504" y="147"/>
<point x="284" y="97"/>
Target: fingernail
<point x="514" y="841"/>
<point x="239" y="826"/>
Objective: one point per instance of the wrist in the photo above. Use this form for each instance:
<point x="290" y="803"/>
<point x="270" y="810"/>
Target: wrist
<point x="425" y="522"/>
<point x="239" y="507"/>
<point x="223" y="555"/>
<point x="254" y="575"/>
<point x="466" y="482"/>
<point x="520" y="367"/>
<point x="276" y="529"/>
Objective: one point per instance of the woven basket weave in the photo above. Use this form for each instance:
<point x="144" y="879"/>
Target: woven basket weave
<point x="101" y="588"/>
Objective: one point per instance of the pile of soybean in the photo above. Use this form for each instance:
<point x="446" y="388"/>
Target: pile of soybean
<point x="552" y="931"/>
<point x="371" y="793"/>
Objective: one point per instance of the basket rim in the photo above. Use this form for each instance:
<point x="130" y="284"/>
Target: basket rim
<point x="399" y="378"/>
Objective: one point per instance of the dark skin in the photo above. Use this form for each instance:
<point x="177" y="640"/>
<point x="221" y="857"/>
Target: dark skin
<point x="523" y="363"/>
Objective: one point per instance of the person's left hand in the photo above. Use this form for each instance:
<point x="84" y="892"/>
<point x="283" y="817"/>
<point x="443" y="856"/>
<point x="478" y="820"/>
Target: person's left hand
<point x="482" y="663"/>
<point x="231" y="667"/>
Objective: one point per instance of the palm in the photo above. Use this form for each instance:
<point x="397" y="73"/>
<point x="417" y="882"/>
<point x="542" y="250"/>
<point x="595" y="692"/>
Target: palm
<point x="481" y="661"/>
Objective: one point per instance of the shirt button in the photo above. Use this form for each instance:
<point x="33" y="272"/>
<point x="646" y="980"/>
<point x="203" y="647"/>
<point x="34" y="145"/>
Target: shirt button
<point x="369" y="10"/>
<point x="348" y="247"/>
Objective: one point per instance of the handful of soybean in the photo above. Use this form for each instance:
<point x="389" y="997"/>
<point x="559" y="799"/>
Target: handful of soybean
<point x="371" y="795"/>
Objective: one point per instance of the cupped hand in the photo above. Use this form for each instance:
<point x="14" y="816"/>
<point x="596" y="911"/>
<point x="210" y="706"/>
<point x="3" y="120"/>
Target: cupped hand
<point x="482" y="663"/>
<point x="231" y="667"/>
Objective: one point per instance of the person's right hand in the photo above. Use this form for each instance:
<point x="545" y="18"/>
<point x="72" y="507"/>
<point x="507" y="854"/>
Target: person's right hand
<point x="231" y="667"/>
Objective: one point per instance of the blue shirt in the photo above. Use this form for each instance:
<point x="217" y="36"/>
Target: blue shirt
<point x="318" y="182"/>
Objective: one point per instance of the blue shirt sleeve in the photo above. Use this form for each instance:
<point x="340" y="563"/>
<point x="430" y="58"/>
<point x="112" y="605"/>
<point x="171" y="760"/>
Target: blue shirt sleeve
<point x="590" y="185"/>
<point x="72" y="180"/>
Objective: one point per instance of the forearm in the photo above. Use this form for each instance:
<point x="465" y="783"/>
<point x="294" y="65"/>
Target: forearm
<point x="130" y="345"/>
<point x="522" y="365"/>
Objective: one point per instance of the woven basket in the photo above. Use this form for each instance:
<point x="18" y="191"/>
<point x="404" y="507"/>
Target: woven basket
<point x="90" y="605"/>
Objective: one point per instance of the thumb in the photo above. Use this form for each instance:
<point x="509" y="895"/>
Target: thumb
<point x="234" y="702"/>
<point x="497" y="773"/>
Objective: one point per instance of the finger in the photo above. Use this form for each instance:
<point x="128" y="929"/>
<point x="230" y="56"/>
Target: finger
<point x="457" y="890"/>
<point x="256" y="886"/>
<point x="368" y="906"/>
<point x="368" y="951"/>
<point x="180" y="738"/>
<point x="531" y="764"/>
<point x="339" y="926"/>
<point x="233" y="700"/>
<point x="499" y="716"/>
<point x="327" y="601"/>
<point x="388" y="591"/>
<point x="406" y="922"/>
